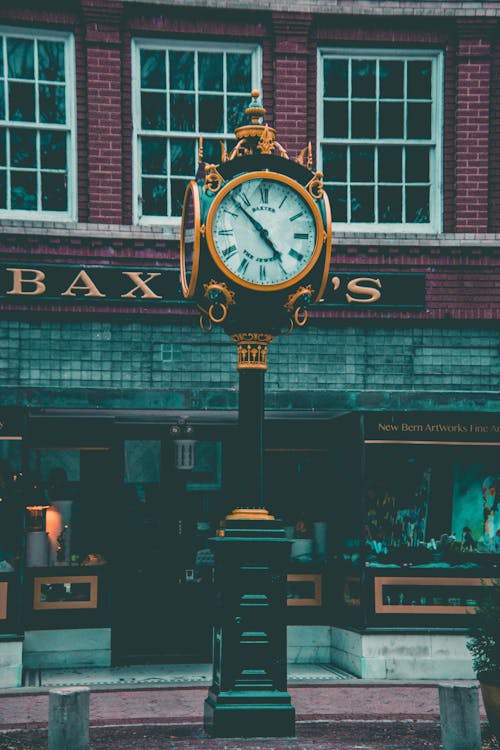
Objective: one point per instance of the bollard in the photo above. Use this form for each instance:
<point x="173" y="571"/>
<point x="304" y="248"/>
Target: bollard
<point x="460" y="721"/>
<point x="69" y="719"/>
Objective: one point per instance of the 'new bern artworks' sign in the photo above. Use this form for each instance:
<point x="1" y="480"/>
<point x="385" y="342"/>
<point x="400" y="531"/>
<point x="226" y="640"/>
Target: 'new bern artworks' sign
<point x="70" y="284"/>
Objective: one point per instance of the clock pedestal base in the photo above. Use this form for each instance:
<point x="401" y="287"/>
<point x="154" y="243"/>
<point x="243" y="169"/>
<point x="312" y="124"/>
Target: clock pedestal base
<point x="248" y="695"/>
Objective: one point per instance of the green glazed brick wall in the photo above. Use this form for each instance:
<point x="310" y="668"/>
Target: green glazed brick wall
<point x="128" y="355"/>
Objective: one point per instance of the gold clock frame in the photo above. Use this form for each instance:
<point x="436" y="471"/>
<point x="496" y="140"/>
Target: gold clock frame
<point x="189" y="287"/>
<point x="321" y="235"/>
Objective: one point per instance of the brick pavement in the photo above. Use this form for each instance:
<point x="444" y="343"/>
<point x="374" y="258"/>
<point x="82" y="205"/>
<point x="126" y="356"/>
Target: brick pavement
<point x="345" y="700"/>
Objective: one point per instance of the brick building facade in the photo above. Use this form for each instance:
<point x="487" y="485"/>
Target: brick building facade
<point x="102" y="104"/>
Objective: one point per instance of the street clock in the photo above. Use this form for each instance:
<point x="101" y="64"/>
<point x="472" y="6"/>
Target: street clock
<point x="255" y="235"/>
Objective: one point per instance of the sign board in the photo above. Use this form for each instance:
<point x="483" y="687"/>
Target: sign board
<point x="432" y="428"/>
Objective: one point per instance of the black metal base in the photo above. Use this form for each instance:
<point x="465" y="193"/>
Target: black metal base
<point x="247" y="714"/>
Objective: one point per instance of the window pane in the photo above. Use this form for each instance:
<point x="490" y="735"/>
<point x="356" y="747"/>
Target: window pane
<point x="3" y="152"/>
<point x="390" y="204"/>
<point x="51" y="61"/>
<point x="211" y="151"/>
<point x="3" y="188"/>
<point x="53" y="149"/>
<point x="362" y="209"/>
<point x="419" y="79"/>
<point x="236" y="116"/>
<point x="178" y="189"/>
<point x="22" y="101"/>
<point x="181" y="70"/>
<point x="363" y="78"/>
<point x="2" y="100"/>
<point x="239" y="73"/>
<point x="154" y="114"/>
<point x="362" y="164"/>
<point x="182" y="112"/>
<point x="21" y="57"/>
<point x="417" y="164"/>
<point x="152" y="69"/>
<point x="391" y="120"/>
<point x="23" y="148"/>
<point x="52" y="104"/>
<point x="183" y="156"/>
<point x="54" y="192"/>
<point x="23" y="190"/>
<point x="211" y="113"/>
<point x="154" y="155"/>
<point x="338" y="202"/>
<point x="154" y="197"/>
<point x="417" y="205"/>
<point x="1" y="57"/>
<point x="336" y="74"/>
<point x="391" y="73"/>
<point x="335" y="163"/>
<point x="390" y="164"/>
<point x="419" y="120"/>
<point x="363" y="120"/>
<point x="336" y="119"/>
<point x="210" y="71"/>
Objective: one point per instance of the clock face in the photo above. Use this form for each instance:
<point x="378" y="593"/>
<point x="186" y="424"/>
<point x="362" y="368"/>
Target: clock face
<point x="264" y="230"/>
<point x="190" y="239"/>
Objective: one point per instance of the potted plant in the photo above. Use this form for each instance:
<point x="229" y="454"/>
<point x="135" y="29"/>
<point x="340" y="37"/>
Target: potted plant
<point x="484" y="645"/>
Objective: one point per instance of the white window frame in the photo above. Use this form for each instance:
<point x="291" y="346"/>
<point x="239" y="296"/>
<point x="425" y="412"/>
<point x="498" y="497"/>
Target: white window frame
<point x="169" y="44"/>
<point x="434" y="226"/>
<point x="69" y="127"/>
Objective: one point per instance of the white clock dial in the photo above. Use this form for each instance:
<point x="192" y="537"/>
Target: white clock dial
<point x="264" y="230"/>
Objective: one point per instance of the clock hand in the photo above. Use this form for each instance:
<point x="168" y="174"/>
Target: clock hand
<point x="262" y="231"/>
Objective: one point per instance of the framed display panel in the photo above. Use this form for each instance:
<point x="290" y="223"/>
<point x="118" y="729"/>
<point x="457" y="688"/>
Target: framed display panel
<point x="65" y="592"/>
<point x="434" y="596"/>
<point x="304" y="590"/>
<point x="4" y="590"/>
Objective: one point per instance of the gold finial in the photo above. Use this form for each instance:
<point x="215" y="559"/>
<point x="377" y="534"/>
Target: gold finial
<point x="255" y="111"/>
<point x="252" y="350"/>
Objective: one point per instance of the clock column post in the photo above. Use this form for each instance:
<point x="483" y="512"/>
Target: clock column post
<point x="248" y="695"/>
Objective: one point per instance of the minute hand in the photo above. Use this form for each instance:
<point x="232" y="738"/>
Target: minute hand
<point x="262" y="231"/>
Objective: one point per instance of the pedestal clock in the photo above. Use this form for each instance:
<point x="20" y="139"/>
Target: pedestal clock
<point x="255" y="254"/>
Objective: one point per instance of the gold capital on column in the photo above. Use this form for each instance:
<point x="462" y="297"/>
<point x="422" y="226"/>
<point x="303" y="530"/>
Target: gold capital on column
<point x="252" y="350"/>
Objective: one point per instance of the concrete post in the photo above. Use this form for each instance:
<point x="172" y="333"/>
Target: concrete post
<point x="69" y="718"/>
<point x="460" y="721"/>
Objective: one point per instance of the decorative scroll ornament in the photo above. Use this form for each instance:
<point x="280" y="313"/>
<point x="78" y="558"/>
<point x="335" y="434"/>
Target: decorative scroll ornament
<point x="298" y="303"/>
<point x="220" y="298"/>
<point x="252" y="350"/>
<point x="315" y="186"/>
<point x="213" y="179"/>
<point x="305" y="157"/>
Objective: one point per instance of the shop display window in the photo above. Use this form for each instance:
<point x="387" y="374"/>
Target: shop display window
<point x="11" y="506"/>
<point x="431" y="505"/>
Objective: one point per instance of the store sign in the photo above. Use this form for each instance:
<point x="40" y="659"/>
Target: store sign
<point x="70" y="284"/>
<point x="433" y="428"/>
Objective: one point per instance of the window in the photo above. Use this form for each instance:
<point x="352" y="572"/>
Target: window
<point x="379" y="120"/>
<point x="36" y="125"/>
<point x="182" y="92"/>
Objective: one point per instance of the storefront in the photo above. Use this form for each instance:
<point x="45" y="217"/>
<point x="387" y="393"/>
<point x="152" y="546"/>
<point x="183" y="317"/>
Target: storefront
<point x="393" y="518"/>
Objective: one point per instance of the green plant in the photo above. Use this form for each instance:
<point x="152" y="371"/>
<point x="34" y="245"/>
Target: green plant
<point x="484" y="643"/>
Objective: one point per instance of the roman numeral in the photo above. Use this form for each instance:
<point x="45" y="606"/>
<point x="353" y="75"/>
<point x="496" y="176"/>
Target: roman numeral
<point x="264" y="193"/>
<point x="296" y="216"/>
<point x="231" y="213"/>
<point x="228" y="252"/>
<point x="225" y="232"/>
<point x="284" y="199"/>
<point x="243" y="266"/>
<point x="294" y="254"/>
<point x="262" y="273"/>
<point x="244" y="198"/>
<point x="301" y="236"/>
